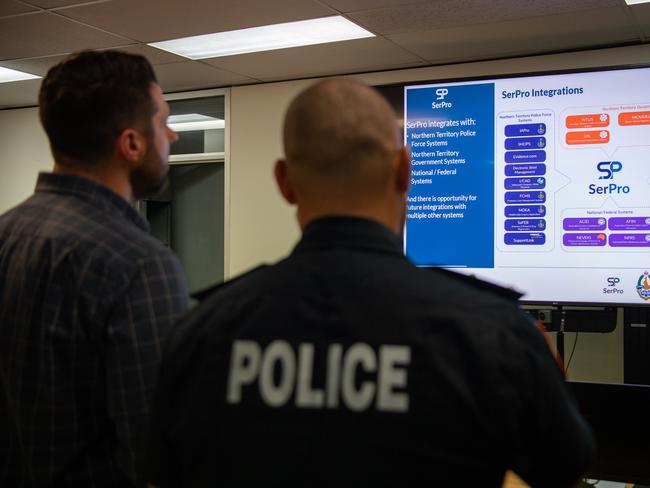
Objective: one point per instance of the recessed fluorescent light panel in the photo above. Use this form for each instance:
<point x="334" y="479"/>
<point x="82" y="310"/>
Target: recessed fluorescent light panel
<point x="7" y="75"/>
<point x="634" y="2"/>
<point x="265" y="38"/>
<point x="187" y="122"/>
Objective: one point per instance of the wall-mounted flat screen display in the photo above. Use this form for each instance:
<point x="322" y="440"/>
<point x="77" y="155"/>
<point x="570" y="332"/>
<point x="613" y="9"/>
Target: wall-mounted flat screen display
<point x="539" y="183"/>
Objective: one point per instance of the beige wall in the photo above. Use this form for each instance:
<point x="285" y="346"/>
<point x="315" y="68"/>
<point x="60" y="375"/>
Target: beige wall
<point x="24" y="151"/>
<point x="262" y="227"/>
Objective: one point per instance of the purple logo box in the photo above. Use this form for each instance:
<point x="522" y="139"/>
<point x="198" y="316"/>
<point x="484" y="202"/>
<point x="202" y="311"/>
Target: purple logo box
<point x="629" y="240"/>
<point x="526" y="170"/>
<point x="523" y="225"/>
<point x="525" y="197"/>
<point x="597" y="239"/>
<point x="524" y="239"/>
<point x="515" y="130"/>
<point x="629" y="223"/>
<point x="525" y="156"/>
<point x="525" y="183"/>
<point x="589" y="223"/>
<point x="523" y="211"/>
<point x="525" y="143"/>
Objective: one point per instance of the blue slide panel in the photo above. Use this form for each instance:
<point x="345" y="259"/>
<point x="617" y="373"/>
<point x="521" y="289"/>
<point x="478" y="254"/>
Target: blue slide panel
<point x="525" y="170"/>
<point x="523" y="211"/>
<point x="523" y="225"/>
<point x="518" y="130"/>
<point x="525" y="143"/>
<point x="525" y="197"/>
<point x="525" y="156"/>
<point x="525" y="239"/>
<point x="450" y="221"/>
<point x="535" y="183"/>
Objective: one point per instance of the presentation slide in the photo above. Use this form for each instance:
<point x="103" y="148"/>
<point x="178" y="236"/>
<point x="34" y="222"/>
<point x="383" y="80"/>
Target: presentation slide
<point x="537" y="183"/>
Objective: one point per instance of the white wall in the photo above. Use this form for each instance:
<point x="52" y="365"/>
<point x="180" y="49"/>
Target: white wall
<point x="262" y="226"/>
<point x="24" y="151"/>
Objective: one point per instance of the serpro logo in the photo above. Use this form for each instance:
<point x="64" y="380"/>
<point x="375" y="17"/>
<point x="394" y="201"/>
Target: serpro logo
<point x="441" y="93"/>
<point x="643" y="286"/>
<point x="608" y="168"/>
<point x="611" y="288"/>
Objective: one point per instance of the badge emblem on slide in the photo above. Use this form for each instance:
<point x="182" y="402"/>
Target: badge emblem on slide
<point x="643" y="286"/>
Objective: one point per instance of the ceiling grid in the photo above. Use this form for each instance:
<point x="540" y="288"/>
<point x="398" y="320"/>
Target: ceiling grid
<point x="408" y="33"/>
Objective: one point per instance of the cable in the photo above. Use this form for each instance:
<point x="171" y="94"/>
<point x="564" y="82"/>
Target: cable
<point x="573" y="349"/>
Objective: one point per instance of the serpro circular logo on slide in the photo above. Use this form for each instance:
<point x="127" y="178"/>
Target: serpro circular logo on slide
<point x="643" y="286"/>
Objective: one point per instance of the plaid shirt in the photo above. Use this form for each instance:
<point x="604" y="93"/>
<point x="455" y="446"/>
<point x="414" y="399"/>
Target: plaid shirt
<point x="86" y="298"/>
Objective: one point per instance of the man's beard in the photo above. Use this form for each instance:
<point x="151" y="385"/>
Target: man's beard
<point x="150" y="178"/>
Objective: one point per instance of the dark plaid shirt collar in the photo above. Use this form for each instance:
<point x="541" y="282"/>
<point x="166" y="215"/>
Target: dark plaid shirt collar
<point x="95" y="194"/>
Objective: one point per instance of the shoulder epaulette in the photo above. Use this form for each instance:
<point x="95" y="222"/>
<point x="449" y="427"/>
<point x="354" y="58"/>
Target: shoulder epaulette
<point x="474" y="282"/>
<point x="206" y="292"/>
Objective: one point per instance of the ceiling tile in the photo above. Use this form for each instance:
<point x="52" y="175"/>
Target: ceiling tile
<point x="323" y="59"/>
<point x="155" y="56"/>
<point x="157" y="20"/>
<point x="450" y="13"/>
<point x="570" y="31"/>
<point x="56" y="3"/>
<point x="641" y="14"/>
<point x="192" y="75"/>
<point x="40" y="66"/>
<point x="48" y="34"/>
<point x="11" y="7"/>
<point x="356" y="5"/>
<point x="35" y="66"/>
<point x="20" y="93"/>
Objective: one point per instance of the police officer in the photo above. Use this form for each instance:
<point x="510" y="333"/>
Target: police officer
<point x="346" y="365"/>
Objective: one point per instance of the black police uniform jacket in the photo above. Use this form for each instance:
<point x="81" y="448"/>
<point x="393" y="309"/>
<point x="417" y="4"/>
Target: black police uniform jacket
<point x="346" y="365"/>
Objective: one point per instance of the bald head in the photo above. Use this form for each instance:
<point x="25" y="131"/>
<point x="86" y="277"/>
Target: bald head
<point x="341" y="133"/>
<point x="343" y="151"/>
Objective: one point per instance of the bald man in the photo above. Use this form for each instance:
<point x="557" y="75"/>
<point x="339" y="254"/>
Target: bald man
<point x="344" y="364"/>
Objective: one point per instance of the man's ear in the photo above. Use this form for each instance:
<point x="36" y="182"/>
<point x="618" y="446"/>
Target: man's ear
<point x="131" y="146"/>
<point x="284" y="182"/>
<point x="403" y="170"/>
